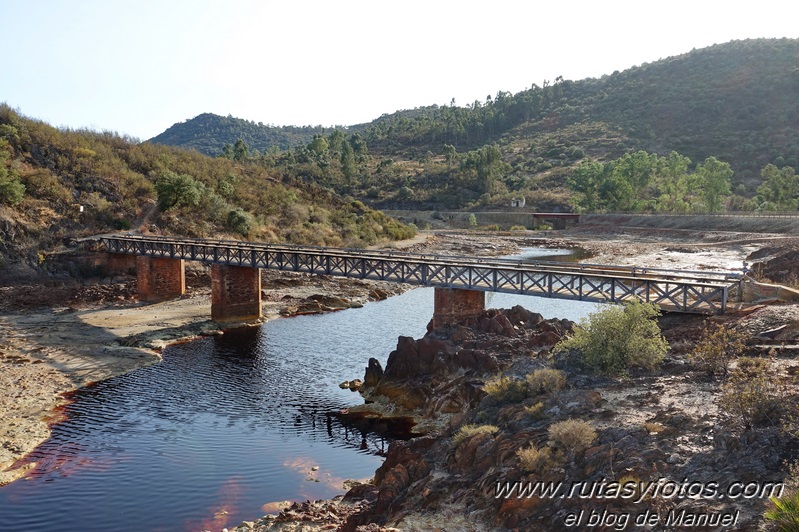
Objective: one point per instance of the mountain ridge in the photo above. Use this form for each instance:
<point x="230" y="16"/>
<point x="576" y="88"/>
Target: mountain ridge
<point x="668" y="104"/>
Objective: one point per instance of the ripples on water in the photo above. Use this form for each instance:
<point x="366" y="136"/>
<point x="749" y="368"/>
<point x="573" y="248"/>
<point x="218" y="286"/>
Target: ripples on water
<point x="223" y="425"/>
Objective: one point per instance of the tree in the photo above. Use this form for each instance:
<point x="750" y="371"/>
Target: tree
<point x="450" y="154"/>
<point x="487" y="162"/>
<point x="359" y="148"/>
<point x="176" y="190"/>
<point x="319" y="146"/>
<point x="586" y="180"/>
<point x="227" y="151"/>
<point x="673" y="183"/>
<point x="616" y="193"/>
<point x="347" y="161"/>
<point x="335" y="141"/>
<point x="637" y="170"/>
<point x="780" y="187"/>
<point x="11" y="190"/>
<point x="240" y="150"/>
<point x="712" y="179"/>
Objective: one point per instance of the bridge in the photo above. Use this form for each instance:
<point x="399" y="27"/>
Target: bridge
<point x="460" y="282"/>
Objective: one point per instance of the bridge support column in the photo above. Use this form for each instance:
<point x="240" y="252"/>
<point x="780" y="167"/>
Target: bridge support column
<point x="160" y="278"/>
<point x="235" y="293"/>
<point x="453" y="305"/>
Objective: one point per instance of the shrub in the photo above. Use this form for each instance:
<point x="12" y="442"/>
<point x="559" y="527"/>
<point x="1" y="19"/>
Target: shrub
<point x="239" y="221"/>
<point x="518" y="228"/>
<point x="572" y="435"/>
<point x="535" y="460"/>
<point x="751" y="396"/>
<point x="11" y="190"/>
<point x="784" y="512"/>
<point x="472" y="220"/>
<point x="716" y="347"/>
<point x="467" y="431"/>
<point x="536" y="411"/>
<point x="619" y="337"/>
<point x="406" y="193"/>
<point x="506" y="389"/>
<point x="545" y="380"/>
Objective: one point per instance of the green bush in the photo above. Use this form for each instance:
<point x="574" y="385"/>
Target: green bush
<point x="239" y="221"/>
<point x="619" y="337"/>
<point x="11" y="190"/>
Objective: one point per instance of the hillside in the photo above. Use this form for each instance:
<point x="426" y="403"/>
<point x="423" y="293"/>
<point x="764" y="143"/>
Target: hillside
<point x="736" y="102"/>
<point x="58" y="184"/>
<point x="208" y="133"/>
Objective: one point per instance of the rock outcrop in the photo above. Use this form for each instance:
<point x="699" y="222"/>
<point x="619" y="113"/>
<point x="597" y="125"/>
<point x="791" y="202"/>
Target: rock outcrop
<point x="662" y="429"/>
<point x="443" y="372"/>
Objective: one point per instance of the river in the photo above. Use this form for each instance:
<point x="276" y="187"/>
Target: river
<point x="226" y="424"/>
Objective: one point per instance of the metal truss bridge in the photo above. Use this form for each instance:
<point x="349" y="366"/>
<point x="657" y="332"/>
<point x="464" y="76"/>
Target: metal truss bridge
<point x="703" y="292"/>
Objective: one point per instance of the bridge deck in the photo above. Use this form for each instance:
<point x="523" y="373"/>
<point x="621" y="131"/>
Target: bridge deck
<point x="673" y="290"/>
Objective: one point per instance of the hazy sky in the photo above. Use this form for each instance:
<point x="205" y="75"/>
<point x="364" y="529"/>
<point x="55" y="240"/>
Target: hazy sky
<point x="137" y="67"/>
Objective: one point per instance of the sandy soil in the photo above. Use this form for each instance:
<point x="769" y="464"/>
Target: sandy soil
<point x="51" y="343"/>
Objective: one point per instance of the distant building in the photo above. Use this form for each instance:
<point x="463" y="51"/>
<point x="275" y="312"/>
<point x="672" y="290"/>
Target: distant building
<point x="517" y="202"/>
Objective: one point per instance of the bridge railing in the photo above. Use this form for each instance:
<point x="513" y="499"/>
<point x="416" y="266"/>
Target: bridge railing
<point x="159" y="242"/>
<point x="705" y="292"/>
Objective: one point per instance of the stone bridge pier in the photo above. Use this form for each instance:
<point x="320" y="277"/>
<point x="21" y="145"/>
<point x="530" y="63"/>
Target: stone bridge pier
<point x="452" y="305"/>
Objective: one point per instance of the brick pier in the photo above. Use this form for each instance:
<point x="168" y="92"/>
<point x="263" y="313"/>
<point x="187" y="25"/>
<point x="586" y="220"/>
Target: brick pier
<point x="453" y="305"/>
<point x="235" y="293"/>
<point x="160" y="278"/>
